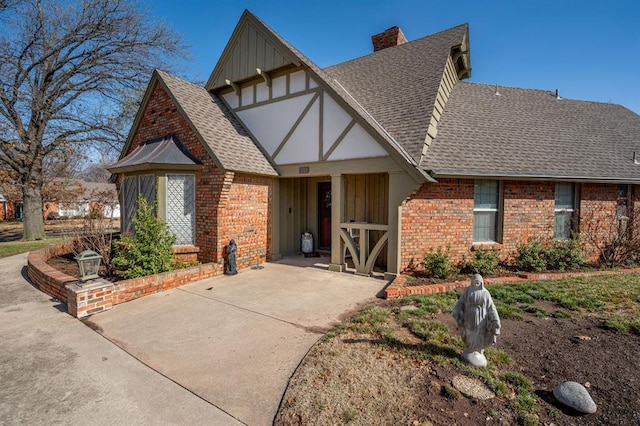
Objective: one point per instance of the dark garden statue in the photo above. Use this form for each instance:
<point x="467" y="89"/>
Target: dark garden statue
<point x="478" y="321"/>
<point x="230" y="267"/>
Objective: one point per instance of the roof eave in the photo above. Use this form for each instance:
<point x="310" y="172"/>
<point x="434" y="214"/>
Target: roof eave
<point x="154" y="167"/>
<point x="462" y="174"/>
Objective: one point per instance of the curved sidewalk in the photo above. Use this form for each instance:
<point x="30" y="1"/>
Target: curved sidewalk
<point x="228" y="344"/>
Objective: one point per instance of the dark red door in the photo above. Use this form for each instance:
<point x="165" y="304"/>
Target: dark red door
<point x="324" y="215"/>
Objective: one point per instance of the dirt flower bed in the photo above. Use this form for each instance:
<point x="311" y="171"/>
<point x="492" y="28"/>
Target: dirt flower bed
<point x="394" y="362"/>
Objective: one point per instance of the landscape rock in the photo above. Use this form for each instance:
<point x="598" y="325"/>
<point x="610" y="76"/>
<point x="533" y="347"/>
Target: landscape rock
<point x="471" y="387"/>
<point x="576" y="396"/>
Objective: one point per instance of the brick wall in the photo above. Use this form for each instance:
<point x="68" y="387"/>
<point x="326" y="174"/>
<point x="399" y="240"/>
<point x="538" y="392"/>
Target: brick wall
<point x="441" y="215"/>
<point x="244" y="214"/>
<point x="127" y="290"/>
<point x="598" y="211"/>
<point x="528" y="212"/>
<point x="100" y="295"/>
<point x="45" y="277"/>
<point x="437" y="215"/>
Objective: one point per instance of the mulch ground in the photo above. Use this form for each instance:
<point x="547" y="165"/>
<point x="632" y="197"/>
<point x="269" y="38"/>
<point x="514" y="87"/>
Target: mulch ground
<point x="548" y="351"/>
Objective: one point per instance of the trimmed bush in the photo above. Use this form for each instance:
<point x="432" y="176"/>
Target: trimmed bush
<point x="564" y="254"/>
<point x="484" y="261"/>
<point x="148" y="251"/>
<point x="530" y="256"/>
<point x="437" y="263"/>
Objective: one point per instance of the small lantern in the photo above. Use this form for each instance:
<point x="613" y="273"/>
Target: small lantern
<point x="88" y="263"/>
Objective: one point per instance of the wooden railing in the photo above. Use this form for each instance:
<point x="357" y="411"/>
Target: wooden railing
<point x="362" y="259"/>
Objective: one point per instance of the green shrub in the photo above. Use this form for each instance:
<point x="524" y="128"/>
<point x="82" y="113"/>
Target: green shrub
<point x="148" y="251"/>
<point x="564" y="254"/>
<point x="530" y="256"/>
<point x="437" y="263"/>
<point x="484" y="261"/>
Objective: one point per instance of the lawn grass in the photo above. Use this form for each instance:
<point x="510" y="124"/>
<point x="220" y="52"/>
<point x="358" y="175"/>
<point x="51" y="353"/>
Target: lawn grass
<point x="17" y="247"/>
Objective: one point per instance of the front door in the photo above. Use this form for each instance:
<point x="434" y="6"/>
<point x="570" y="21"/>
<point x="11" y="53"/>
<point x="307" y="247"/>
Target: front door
<point x="324" y="215"/>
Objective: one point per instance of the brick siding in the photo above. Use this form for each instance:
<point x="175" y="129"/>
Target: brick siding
<point x="441" y="215"/>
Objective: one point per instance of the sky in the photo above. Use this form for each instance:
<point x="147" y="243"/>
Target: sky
<point x="587" y="49"/>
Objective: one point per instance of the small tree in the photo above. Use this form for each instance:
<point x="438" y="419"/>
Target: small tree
<point x="148" y="251"/>
<point x="615" y="239"/>
<point x="96" y="232"/>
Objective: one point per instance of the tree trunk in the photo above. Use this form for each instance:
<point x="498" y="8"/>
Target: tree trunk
<point x="33" y="225"/>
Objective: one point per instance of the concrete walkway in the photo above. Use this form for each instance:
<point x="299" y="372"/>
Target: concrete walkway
<point x="215" y="352"/>
<point x="55" y="370"/>
<point x="236" y="340"/>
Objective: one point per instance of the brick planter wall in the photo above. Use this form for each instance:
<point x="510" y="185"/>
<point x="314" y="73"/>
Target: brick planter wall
<point x="100" y="295"/>
<point x="135" y="288"/>
<point x="44" y="276"/>
<point x="399" y="289"/>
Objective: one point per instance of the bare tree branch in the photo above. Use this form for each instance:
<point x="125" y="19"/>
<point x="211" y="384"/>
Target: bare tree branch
<point x="65" y="70"/>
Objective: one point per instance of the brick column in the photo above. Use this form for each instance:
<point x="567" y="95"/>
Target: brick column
<point x="89" y="298"/>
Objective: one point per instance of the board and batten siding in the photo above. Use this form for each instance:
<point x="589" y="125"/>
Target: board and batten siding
<point x="449" y="79"/>
<point x="249" y="48"/>
<point x="366" y="200"/>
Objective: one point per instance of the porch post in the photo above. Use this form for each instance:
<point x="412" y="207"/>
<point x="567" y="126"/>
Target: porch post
<point x="401" y="185"/>
<point x="275" y="220"/>
<point x="337" y="217"/>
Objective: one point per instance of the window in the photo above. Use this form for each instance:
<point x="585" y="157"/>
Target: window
<point x="132" y="188"/>
<point x="181" y="207"/>
<point x="486" y="200"/>
<point x="623" y="201"/>
<point x="564" y="206"/>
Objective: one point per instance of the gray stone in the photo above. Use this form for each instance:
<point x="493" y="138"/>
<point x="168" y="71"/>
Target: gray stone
<point x="576" y="396"/>
<point x="471" y="387"/>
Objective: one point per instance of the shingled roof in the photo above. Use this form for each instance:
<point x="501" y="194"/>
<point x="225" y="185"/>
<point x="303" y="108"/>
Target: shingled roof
<point x="219" y="129"/>
<point x="398" y="86"/>
<point x="531" y="133"/>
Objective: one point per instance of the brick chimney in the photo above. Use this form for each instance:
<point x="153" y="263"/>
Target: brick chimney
<point x="389" y="38"/>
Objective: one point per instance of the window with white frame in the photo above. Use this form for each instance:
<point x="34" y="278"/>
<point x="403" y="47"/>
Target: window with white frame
<point x="486" y="210"/>
<point x="563" y="210"/>
<point x="180" y="212"/>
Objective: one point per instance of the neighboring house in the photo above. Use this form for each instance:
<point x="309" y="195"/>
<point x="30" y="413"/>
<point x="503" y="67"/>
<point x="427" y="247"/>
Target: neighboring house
<point x="7" y="209"/>
<point x="78" y="198"/>
<point x="390" y="152"/>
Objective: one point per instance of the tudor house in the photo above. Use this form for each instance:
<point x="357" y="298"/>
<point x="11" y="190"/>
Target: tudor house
<point x="383" y="157"/>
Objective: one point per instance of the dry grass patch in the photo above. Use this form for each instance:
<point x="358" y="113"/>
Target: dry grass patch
<point x="329" y="390"/>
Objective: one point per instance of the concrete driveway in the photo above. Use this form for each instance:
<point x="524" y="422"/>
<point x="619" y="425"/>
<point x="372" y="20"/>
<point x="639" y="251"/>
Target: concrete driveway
<point x="55" y="370"/>
<point x="236" y="340"/>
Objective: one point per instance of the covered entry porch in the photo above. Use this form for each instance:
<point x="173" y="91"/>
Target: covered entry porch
<point x="353" y="218"/>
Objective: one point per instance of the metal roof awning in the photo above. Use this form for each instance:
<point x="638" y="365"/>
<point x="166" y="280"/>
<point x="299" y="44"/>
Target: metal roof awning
<point x="166" y="153"/>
